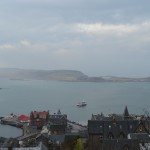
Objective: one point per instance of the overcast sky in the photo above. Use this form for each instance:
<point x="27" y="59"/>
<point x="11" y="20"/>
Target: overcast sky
<point x="97" y="37"/>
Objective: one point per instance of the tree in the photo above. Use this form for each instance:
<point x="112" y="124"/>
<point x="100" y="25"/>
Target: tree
<point x="78" y="145"/>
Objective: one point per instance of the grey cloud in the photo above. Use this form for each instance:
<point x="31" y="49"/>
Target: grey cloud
<point x="82" y="10"/>
<point x="46" y="32"/>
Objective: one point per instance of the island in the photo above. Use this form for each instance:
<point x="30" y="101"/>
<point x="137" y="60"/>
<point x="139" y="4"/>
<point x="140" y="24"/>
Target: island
<point x="63" y="75"/>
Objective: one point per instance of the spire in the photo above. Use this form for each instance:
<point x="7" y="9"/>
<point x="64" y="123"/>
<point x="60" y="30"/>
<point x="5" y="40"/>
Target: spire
<point x="126" y="113"/>
<point x="59" y="112"/>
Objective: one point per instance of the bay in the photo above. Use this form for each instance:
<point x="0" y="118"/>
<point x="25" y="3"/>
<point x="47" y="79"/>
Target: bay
<point x="24" y="96"/>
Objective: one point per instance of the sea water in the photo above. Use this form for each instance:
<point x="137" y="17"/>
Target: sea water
<point x="23" y="96"/>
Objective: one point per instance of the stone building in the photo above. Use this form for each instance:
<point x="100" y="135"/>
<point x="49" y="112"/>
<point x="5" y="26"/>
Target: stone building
<point x="38" y="119"/>
<point x="57" y="123"/>
<point x="106" y="132"/>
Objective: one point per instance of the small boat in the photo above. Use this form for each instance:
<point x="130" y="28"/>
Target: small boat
<point x="82" y="104"/>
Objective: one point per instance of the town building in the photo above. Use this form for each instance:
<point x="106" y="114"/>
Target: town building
<point x="38" y="119"/>
<point x="57" y="123"/>
<point x="113" y="130"/>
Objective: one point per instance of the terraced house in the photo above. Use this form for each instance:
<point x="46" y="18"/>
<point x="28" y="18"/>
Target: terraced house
<point x="38" y="119"/>
<point x="116" y="132"/>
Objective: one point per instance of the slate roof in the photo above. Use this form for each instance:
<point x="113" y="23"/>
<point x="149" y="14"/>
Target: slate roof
<point x="95" y="127"/>
<point x="116" y="127"/>
<point x="58" y="118"/>
<point x="57" y="127"/>
<point x="112" y="116"/>
<point x="132" y="125"/>
<point x="107" y="118"/>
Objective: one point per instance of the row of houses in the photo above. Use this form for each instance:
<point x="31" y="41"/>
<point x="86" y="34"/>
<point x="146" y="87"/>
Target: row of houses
<point x="56" y="123"/>
<point x="111" y="132"/>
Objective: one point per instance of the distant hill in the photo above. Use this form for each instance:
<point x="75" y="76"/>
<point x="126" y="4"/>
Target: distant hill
<point x="62" y="75"/>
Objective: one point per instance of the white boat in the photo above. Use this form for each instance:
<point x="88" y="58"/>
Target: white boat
<point x="82" y="104"/>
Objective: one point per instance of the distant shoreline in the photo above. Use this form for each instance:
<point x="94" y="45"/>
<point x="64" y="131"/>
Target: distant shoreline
<point x="63" y="75"/>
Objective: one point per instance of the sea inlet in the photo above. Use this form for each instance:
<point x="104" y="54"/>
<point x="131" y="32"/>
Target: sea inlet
<point x="23" y="96"/>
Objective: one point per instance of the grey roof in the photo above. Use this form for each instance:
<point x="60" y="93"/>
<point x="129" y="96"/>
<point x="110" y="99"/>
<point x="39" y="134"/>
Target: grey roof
<point x="132" y="125"/>
<point x="42" y="136"/>
<point x="95" y="127"/>
<point x="57" y="127"/>
<point x="58" y="119"/>
<point x="56" y="116"/>
<point x="116" y="128"/>
<point x="108" y="118"/>
<point x="116" y="125"/>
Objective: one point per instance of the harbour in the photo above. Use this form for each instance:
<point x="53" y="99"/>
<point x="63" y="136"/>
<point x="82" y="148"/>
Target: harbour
<point x="22" y="96"/>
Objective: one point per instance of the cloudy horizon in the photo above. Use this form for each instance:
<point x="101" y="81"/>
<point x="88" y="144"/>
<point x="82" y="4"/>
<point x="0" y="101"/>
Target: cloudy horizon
<point x="98" y="37"/>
